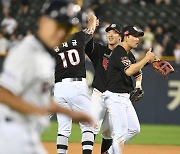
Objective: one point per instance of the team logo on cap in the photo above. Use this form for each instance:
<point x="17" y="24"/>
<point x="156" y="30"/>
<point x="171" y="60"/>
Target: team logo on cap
<point x="126" y="32"/>
<point x="136" y="29"/>
<point x="113" y="25"/>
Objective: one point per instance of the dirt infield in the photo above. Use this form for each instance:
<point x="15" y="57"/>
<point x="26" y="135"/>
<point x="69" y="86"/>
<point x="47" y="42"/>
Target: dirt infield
<point x="75" y="148"/>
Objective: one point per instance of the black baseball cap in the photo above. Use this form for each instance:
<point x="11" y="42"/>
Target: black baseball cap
<point x="62" y="11"/>
<point x="115" y="27"/>
<point x="132" y="30"/>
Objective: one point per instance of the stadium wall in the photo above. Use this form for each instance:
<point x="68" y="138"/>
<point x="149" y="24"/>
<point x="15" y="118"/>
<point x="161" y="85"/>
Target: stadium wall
<point x="161" y="101"/>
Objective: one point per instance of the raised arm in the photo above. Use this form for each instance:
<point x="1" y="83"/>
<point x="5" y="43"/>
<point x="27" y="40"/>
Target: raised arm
<point x="149" y="57"/>
<point x="92" y="22"/>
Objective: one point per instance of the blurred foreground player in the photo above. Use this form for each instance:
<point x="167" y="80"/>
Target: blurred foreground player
<point x="25" y="84"/>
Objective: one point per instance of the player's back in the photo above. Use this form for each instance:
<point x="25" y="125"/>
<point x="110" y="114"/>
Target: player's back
<point x="70" y="58"/>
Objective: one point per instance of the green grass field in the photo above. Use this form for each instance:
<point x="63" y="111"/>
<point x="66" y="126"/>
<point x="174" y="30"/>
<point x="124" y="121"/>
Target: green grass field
<point x="150" y="134"/>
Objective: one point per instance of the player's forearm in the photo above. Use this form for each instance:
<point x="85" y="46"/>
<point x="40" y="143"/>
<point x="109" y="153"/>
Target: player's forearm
<point x="134" y="68"/>
<point x="16" y="103"/>
<point x="56" y="108"/>
<point x="139" y="82"/>
<point x="91" y="22"/>
<point x="75" y="115"/>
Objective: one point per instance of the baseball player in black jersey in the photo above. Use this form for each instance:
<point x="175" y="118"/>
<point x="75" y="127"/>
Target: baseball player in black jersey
<point x="71" y="89"/>
<point x="122" y="66"/>
<point x="99" y="56"/>
<point x="25" y="84"/>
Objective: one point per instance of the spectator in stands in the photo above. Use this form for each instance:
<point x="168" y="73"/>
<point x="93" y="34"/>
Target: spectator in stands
<point x="166" y="27"/>
<point x="124" y="1"/>
<point x="12" y="41"/>
<point x="28" y="32"/>
<point x="169" y="47"/>
<point x="153" y="25"/>
<point x="158" y="49"/>
<point x="176" y="53"/>
<point x="159" y="35"/>
<point x="25" y="4"/>
<point x="167" y="2"/>
<point x="20" y="37"/>
<point x="9" y="23"/>
<point x="6" y="4"/>
<point x="3" y="44"/>
<point x="148" y="38"/>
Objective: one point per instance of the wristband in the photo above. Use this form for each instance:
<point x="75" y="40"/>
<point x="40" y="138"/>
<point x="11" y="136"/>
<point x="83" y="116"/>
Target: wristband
<point x="138" y="84"/>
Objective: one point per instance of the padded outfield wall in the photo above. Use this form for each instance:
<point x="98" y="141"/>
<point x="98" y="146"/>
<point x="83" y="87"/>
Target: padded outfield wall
<point x="161" y="101"/>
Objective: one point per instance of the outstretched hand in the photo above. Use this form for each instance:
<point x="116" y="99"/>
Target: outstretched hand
<point x="76" y="116"/>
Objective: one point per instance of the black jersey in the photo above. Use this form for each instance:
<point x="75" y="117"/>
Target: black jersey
<point x="70" y="58"/>
<point x="99" y="56"/>
<point x="117" y="80"/>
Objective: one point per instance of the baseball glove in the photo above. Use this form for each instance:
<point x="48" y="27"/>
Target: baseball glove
<point x="136" y="95"/>
<point x="163" y="67"/>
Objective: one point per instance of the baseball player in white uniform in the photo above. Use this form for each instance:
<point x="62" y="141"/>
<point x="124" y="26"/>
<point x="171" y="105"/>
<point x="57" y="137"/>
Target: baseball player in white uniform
<point x="25" y="84"/>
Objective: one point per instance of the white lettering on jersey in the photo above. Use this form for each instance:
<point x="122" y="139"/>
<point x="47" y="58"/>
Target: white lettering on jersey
<point x="73" y="57"/>
<point x="63" y="59"/>
<point x="56" y="49"/>
<point x="76" y="60"/>
<point x="65" y="44"/>
<point x="74" y="42"/>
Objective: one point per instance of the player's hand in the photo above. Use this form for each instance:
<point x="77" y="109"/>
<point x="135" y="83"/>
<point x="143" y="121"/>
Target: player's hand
<point x="81" y="117"/>
<point x="156" y="58"/>
<point x="91" y="16"/>
<point x="75" y="115"/>
<point x="150" y="56"/>
<point x="97" y="22"/>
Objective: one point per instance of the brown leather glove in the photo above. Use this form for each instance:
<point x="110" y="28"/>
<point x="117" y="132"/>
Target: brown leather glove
<point x="163" y="67"/>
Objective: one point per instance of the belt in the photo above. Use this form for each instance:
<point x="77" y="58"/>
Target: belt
<point x="71" y="79"/>
<point x="8" y="119"/>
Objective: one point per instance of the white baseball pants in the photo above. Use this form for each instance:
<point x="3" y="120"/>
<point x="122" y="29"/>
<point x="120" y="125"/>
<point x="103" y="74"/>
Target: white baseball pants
<point x="124" y="119"/>
<point x="101" y="115"/>
<point x="75" y="96"/>
<point x="16" y="138"/>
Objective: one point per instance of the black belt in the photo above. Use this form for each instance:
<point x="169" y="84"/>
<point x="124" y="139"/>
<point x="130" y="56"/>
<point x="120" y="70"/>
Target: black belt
<point x="73" y="79"/>
<point x="8" y="119"/>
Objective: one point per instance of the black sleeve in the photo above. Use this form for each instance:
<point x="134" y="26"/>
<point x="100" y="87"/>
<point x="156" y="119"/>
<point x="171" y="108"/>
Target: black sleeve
<point x="84" y="36"/>
<point x="94" y="51"/>
<point x="90" y="47"/>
